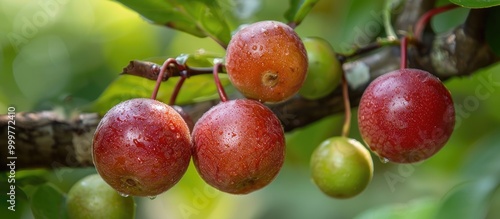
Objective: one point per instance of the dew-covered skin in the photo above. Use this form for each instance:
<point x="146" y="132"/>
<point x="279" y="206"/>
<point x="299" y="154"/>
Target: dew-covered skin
<point x="267" y="61"/>
<point x="238" y="146"/>
<point x="406" y="115"/>
<point x="341" y="167"/>
<point x="141" y="147"/>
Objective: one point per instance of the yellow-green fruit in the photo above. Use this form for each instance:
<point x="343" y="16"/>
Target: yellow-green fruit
<point x="341" y="167"/>
<point x="91" y="197"/>
<point x="324" y="71"/>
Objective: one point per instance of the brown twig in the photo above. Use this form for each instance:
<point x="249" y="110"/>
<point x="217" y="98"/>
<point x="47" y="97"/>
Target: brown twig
<point x="151" y="70"/>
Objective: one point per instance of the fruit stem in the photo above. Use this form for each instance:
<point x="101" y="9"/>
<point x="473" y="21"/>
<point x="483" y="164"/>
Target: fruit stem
<point x="425" y="18"/>
<point x="178" y="87"/>
<point x="163" y="69"/>
<point x="220" y="88"/>
<point x="404" y="45"/>
<point x="150" y="70"/>
<point x="347" y="106"/>
<point x="389" y="30"/>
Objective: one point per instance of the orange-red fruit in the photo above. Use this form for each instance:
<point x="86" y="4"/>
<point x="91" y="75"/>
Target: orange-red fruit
<point x="406" y="115"/>
<point x="267" y="61"/>
<point x="238" y="146"/>
<point x="141" y="147"/>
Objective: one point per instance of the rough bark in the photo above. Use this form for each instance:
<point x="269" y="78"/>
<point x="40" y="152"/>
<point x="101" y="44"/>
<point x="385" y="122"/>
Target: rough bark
<point x="46" y="139"/>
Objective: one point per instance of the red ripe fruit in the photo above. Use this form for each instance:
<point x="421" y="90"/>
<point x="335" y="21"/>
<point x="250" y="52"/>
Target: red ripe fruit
<point x="267" y="61"/>
<point x="239" y="146"/>
<point x="141" y="147"/>
<point x="406" y="116"/>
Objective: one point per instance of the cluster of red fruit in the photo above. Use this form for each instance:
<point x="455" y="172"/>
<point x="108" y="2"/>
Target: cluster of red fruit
<point x="142" y="147"/>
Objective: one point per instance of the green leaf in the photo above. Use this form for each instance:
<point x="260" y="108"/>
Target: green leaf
<point x="468" y="200"/>
<point x="494" y="211"/>
<point x="476" y="3"/>
<point x="48" y="202"/>
<point x="483" y="159"/>
<point x="298" y="10"/>
<point x="195" y="89"/>
<point x="202" y="18"/>
<point x="449" y="20"/>
<point x="4" y="103"/>
<point x="423" y="208"/>
<point x="9" y="203"/>
<point x="30" y="174"/>
<point x="200" y="59"/>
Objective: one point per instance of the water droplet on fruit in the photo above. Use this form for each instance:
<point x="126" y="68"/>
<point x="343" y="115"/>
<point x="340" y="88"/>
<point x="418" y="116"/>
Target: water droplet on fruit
<point x="123" y="194"/>
<point x="171" y="126"/>
<point x="384" y="160"/>
<point x="152" y="197"/>
<point x="254" y="47"/>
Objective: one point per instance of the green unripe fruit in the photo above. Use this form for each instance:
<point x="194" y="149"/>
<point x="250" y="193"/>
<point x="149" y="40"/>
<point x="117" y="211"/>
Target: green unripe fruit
<point x="341" y="167"/>
<point x="91" y="197"/>
<point x="324" y="72"/>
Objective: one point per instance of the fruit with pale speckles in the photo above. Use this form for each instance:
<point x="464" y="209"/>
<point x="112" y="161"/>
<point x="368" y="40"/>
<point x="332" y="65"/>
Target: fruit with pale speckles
<point x="141" y="147"/>
<point x="238" y="146"/>
<point x="341" y="167"/>
<point x="266" y="61"/>
<point x="406" y="116"/>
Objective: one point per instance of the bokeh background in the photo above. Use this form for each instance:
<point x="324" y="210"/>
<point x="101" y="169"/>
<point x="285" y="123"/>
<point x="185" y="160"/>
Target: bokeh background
<point x="68" y="57"/>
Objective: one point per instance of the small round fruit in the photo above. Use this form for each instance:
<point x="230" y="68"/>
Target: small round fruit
<point x="324" y="72"/>
<point x="406" y="116"/>
<point x="266" y="61"/>
<point x="141" y="147"/>
<point x="239" y="146"/>
<point x="341" y="167"/>
<point x="91" y="197"/>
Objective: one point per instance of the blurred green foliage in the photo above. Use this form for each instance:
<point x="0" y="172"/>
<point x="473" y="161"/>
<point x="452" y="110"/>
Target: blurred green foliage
<point x="68" y="54"/>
